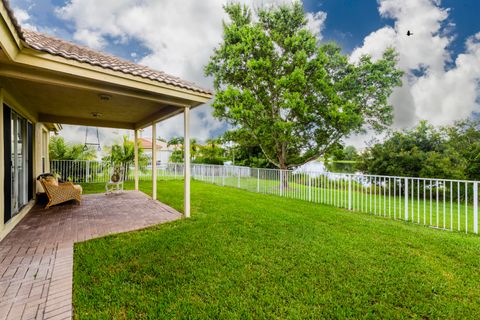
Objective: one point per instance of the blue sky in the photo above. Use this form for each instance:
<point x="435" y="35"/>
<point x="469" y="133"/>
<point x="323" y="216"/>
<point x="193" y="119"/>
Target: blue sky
<point x="348" y="23"/>
<point x="441" y="60"/>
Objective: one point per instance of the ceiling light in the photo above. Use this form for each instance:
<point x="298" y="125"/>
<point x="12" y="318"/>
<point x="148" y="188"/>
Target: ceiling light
<point x="104" y="97"/>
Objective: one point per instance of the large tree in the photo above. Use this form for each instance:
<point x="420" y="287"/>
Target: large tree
<point x="243" y="152"/>
<point x="288" y="94"/>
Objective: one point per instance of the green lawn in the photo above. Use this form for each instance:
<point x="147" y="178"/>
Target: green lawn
<point x="455" y="215"/>
<point x="431" y="207"/>
<point x="244" y="255"/>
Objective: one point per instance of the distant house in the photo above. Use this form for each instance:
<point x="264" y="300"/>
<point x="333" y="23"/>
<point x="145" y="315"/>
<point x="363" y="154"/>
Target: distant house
<point x="164" y="151"/>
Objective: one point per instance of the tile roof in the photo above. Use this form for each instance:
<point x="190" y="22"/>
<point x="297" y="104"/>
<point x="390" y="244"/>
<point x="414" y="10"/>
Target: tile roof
<point x="147" y="143"/>
<point x="68" y="50"/>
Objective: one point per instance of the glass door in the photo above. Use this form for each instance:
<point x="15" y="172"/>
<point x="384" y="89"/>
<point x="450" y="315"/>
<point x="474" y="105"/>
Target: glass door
<point x="17" y="164"/>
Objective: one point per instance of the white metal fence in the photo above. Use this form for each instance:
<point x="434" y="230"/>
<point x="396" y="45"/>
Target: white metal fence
<point x="438" y="203"/>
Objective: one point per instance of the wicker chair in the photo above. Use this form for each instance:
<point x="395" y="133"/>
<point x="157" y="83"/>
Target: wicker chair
<point x="60" y="192"/>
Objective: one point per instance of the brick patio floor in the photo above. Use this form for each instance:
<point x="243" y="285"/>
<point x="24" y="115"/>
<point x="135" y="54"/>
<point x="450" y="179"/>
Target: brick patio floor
<point x="36" y="258"/>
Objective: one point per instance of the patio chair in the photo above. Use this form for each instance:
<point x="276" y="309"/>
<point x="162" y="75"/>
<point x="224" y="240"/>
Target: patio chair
<point x="59" y="192"/>
<point x="115" y="184"/>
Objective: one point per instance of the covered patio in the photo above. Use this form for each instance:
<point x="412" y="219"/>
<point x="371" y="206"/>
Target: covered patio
<point x="58" y="82"/>
<point x="36" y="258"/>
<point x="46" y="82"/>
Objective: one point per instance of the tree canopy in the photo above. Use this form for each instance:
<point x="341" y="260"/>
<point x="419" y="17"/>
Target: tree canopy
<point x="212" y="152"/>
<point x="178" y="154"/>
<point x="426" y="151"/>
<point x="58" y="149"/>
<point x="289" y="95"/>
<point x="124" y="153"/>
<point x="464" y="138"/>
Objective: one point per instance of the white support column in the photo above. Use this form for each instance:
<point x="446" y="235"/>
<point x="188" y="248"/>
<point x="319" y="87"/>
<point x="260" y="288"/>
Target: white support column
<point x="135" y="148"/>
<point x="154" y="161"/>
<point x="186" y="161"/>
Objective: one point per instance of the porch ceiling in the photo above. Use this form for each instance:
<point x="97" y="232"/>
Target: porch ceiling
<point x="66" y="105"/>
<point x="55" y="98"/>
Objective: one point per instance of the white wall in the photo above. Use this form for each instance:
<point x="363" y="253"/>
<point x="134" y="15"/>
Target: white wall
<point x="40" y="150"/>
<point x="162" y="155"/>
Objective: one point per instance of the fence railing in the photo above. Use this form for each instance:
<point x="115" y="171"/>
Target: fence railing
<point x="438" y="203"/>
<point x="86" y="171"/>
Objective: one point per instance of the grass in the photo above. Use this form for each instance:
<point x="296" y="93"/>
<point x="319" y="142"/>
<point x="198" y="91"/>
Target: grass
<point x="244" y="255"/>
<point x="446" y="214"/>
<point x="426" y="206"/>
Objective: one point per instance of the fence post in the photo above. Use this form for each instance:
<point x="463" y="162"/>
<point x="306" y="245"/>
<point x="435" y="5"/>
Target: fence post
<point x="258" y="180"/>
<point x="238" y="182"/>
<point x="475" y="207"/>
<point x="309" y="187"/>
<point x="87" y="169"/>
<point x="349" y="192"/>
<point x="281" y="182"/>
<point x="223" y="176"/>
<point x="406" y="199"/>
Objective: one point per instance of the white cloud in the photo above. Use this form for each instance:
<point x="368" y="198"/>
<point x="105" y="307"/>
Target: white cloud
<point x="451" y="94"/>
<point x="316" y="22"/>
<point x="430" y="91"/>
<point x="375" y="44"/>
<point x="90" y="38"/>
<point x="24" y="18"/>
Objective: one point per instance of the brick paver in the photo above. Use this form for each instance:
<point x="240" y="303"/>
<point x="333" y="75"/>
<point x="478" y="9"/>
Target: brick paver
<point x="36" y="258"/>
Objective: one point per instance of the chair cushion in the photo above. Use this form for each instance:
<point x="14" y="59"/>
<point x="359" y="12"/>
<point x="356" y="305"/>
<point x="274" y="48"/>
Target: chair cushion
<point x="51" y="180"/>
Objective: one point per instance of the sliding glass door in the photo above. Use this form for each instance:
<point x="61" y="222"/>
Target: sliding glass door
<point x="18" y="165"/>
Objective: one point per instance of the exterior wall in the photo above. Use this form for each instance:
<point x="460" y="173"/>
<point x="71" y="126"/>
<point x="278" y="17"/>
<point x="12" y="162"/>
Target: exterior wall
<point x="10" y="100"/>
<point x="42" y="161"/>
<point x="163" y="156"/>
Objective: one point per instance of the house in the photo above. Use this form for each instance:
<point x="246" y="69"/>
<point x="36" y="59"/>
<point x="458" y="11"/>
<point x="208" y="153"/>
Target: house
<point x="46" y="82"/>
<point x="164" y="151"/>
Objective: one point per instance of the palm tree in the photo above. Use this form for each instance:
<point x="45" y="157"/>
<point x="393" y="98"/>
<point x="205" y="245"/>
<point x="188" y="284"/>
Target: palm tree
<point x="177" y="155"/>
<point x="124" y="154"/>
<point x="211" y="152"/>
<point x="58" y="149"/>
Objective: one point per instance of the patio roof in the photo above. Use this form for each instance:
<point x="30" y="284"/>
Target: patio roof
<point x="68" y="50"/>
<point x="62" y="82"/>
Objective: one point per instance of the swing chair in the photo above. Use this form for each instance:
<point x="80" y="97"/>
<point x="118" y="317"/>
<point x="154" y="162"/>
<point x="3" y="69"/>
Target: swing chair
<point x="87" y="144"/>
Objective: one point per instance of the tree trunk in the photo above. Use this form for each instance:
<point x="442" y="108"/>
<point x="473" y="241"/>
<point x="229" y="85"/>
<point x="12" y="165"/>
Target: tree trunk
<point x="283" y="178"/>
